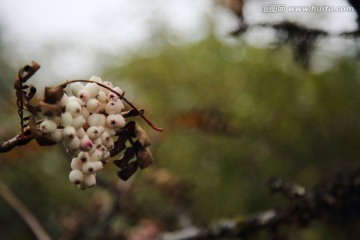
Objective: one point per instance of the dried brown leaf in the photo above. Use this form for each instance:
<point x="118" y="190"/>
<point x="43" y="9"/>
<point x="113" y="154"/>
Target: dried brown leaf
<point x="44" y="141"/>
<point x="132" y="113"/>
<point x="53" y="94"/>
<point x="31" y="93"/>
<point x="25" y="73"/>
<point x="35" y="132"/>
<point x="142" y="136"/>
<point x="119" y="144"/>
<point x="48" y="109"/>
<point x="126" y="173"/>
<point x="130" y="127"/>
<point x="124" y="161"/>
<point x="144" y="158"/>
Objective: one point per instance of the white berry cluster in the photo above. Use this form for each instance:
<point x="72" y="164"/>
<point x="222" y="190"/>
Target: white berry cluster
<point x="89" y="120"/>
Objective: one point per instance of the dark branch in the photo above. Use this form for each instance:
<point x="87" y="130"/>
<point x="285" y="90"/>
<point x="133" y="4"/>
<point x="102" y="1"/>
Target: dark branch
<point x="336" y="202"/>
<point x="19" y="140"/>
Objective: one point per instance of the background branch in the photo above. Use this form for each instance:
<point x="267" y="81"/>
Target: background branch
<point x="335" y="202"/>
<point x="23" y="212"/>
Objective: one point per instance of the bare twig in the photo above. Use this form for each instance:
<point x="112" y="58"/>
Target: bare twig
<point x="22" y="76"/>
<point x="23" y="212"/>
<point x="336" y="202"/>
<point x="19" y="140"/>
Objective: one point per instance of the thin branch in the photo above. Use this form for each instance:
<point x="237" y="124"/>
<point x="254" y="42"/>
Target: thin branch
<point x="23" y="212"/>
<point x="336" y="202"/>
<point x="19" y="140"/>
<point x="22" y="76"/>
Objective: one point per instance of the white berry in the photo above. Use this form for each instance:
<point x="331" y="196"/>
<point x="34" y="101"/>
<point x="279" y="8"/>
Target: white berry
<point x="88" y="167"/>
<point x="105" y="137"/>
<point x="80" y="133"/>
<point x="83" y="157"/>
<point x="110" y="144"/>
<point x="73" y="107"/>
<point x="48" y="126"/>
<point x="115" y="121"/>
<point x="97" y="166"/>
<point x="107" y="84"/>
<point x="57" y="136"/>
<point x="76" y="176"/>
<point x="72" y="143"/>
<point x="64" y="100"/>
<point x="75" y="88"/>
<point x="118" y="90"/>
<point x="69" y="132"/>
<point x="84" y="95"/>
<point x="86" y="144"/>
<point x="98" y="142"/>
<point x="111" y="97"/>
<point x="76" y="99"/>
<point x="93" y="89"/>
<point x="93" y="105"/>
<point x="96" y="79"/>
<point x="66" y="119"/>
<point x="89" y="180"/>
<point x="111" y="108"/>
<point x="93" y="132"/>
<point x="110" y="131"/>
<point x="120" y="105"/>
<point x="76" y="164"/>
<point x="101" y="97"/>
<point x="85" y="112"/>
<point x="78" y="122"/>
<point x="94" y="119"/>
<point x="96" y="155"/>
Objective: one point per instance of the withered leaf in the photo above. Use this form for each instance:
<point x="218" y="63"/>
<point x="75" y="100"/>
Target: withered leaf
<point x="136" y="131"/>
<point x="53" y="94"/>
<point x="132" y="113"/>
<point x="31" y="93"/>
<point x="130" y="126"/>
<point x="28" y="70"/>
<point x="142" y="136"/>
<point x="44" y="141"/>
<point x="145" y="158"/>
<point x="32" y="109"/>
<point x="124" y="161"/>
<point x="24" y="74"/>
<point x="48" y="109"/>
<point x="119" y="144"/>
<point x="35" y="132"/>
<point x="25" y="101"/>
<point x="126" y="173"/>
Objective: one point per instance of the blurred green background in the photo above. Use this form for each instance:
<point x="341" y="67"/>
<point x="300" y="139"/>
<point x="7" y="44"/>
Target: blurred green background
<point x="233" y="115"/>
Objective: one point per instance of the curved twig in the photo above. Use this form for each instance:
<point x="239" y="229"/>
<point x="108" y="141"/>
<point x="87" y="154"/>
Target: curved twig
<point x="23" y="212"/>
